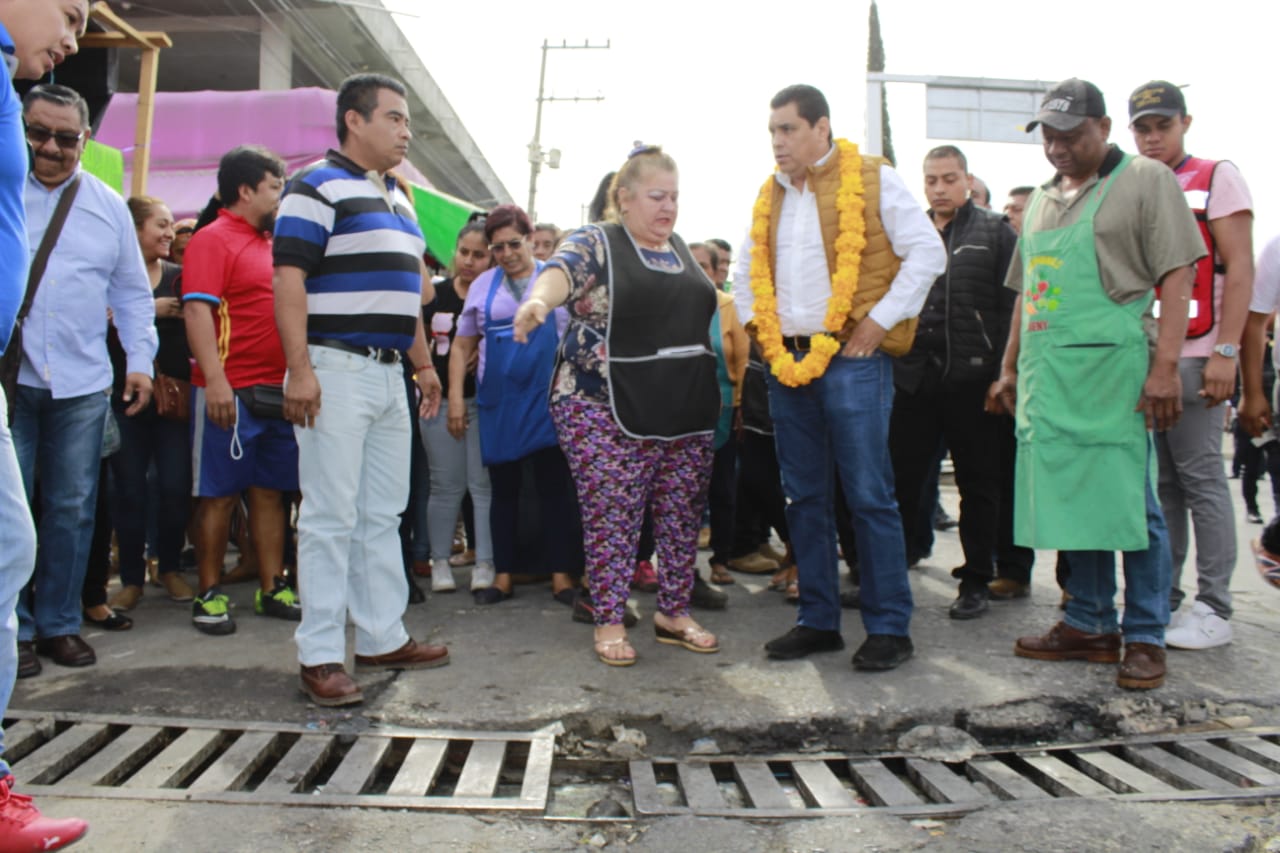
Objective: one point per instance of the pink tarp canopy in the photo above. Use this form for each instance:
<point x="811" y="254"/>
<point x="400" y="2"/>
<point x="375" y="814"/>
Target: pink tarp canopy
<point x="193" y="130"/>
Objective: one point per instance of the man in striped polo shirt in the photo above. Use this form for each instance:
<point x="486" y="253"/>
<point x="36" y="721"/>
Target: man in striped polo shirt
<point x="349" y="281"/>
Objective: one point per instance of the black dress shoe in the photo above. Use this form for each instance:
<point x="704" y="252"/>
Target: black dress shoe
<point x="28" y="663"/>
<point x="882" y="652"/>
<point x="851" y="599"/>
<point x="801" y="640"/>
<point x="970" y="604"/>
<point x="416" y="595"/>
<point x="67" y="650"/>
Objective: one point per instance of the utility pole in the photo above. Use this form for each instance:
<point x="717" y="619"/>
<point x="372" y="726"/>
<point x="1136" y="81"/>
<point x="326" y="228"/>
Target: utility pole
<point x="552" y="157"/>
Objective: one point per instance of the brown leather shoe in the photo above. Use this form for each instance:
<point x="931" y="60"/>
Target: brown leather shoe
<point x="412" y="655"/>
<point x="67" y="650"/>
<point x="1066" y="643"/>
<point x="1143" y="667"/>
<point x="1007" y="589"/>
<point x="28" y="663"/>
<point x="329" y="685"/>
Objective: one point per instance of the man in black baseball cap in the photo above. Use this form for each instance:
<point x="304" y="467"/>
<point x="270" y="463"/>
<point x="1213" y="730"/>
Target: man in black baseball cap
<point x="1068" y="104"/>
<point x="1087" y="372"/>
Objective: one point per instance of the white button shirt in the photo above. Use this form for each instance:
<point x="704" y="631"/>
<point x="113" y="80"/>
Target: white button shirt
<point x="802" y="279"/>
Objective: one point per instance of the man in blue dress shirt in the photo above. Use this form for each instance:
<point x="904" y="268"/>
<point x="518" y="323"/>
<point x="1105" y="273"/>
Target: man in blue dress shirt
<point x="35" y="35"/>
<point x="61" y="401"/>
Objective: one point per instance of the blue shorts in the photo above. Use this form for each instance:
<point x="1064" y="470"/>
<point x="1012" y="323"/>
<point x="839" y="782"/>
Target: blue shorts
<point x="256" y="452"/>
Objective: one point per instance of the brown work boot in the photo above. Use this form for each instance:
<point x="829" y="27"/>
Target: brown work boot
<point x="329" y="685"/>
<point x="1143" y="667"/>
<point x="1066" y="643"/>
<point x="412" y="655"/>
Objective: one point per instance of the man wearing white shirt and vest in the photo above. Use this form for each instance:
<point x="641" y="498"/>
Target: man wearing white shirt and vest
<point x="838" y="264"/>
<point x="1192" y="478"/>
<point x="61" y="402"/>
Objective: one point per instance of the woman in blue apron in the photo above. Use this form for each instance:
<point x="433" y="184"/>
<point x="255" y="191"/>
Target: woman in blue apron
<point x="517" y="439"/>
<point x="635" y="399"/>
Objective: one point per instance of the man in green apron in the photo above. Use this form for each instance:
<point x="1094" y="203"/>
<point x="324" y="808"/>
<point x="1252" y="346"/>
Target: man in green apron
<point x="1087" y="376"/>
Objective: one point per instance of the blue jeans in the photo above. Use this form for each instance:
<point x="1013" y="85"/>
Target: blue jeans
<point x="1147" y="577"/>
<point x="842" y="420"/>
<point x="353" y="469"/>
<point x="145" y="437"/>
<point x="62" y="441"/>
<point x="17" y="559"/>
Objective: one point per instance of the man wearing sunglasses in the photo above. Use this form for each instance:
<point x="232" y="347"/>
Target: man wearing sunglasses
<point x="60" y="404"/>
<point x="35" y="35"/>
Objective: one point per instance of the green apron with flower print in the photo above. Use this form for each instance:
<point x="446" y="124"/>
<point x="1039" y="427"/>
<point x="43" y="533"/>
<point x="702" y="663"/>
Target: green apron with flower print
<point x="1083" y="460"/>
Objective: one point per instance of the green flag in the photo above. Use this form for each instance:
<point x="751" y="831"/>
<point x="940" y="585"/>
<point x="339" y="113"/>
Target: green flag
<point x="105" y="163"/>
<point x="441" y="217"/>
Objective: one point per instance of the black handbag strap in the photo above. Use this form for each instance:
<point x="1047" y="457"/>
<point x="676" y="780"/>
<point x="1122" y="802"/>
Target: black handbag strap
<point x="51" y="234"/>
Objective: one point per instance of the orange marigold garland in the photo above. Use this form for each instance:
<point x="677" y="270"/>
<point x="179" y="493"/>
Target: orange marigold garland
<point x="844" y="281"/>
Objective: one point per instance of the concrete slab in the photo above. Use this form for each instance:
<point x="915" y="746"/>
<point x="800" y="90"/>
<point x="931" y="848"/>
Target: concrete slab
<point x="522" y="664"/>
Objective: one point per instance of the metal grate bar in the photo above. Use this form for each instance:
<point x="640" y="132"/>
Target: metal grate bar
<point x="700" y="787"/>
<point x="1063" y="779"/>
<point x="52" y="761"/>
<point x="359" y="766"/>
<point x="763" y="790"/>
<point x="942" y="786"/>
<point x="1174" y="770"/>
<point x="119" y="758"/>
<point x="479" y="777"/>
<point x="234" y="767"/>
<point x="1219" y="761"/>
<point x="1119" y="775"/>
<point x="1006" y="782"/>
<point x="299" y="765"/>
<point x="880" y="786"/>
<point x="177" y="761"/>
<point x="419" y="769"/>
<point x="820" y="785"/>
<point x="1255" y="749"/>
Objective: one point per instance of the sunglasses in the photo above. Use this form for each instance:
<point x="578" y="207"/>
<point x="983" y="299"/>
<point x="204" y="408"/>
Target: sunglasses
<point x="65" y="139"/>
<point x="513" y="245"/>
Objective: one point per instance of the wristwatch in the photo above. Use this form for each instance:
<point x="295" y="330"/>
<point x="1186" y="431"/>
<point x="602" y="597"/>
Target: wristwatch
<point x="1226" y="350"/>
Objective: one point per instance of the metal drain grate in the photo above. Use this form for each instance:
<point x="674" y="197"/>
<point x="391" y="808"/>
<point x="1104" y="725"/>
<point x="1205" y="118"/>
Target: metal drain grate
<point x="1242" y="764"/>
<point x="83" y="755"/>
<point x="204" y="761"/>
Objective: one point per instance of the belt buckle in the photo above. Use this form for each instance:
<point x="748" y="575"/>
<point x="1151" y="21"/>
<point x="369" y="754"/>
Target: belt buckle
<point x="805" y="347"/>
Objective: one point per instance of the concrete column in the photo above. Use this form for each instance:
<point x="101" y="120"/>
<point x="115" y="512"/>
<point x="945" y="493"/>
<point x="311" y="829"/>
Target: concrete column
<point x="275" y="55"/>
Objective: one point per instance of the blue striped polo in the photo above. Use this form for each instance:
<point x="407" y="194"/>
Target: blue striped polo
<point x="355" y="235"/>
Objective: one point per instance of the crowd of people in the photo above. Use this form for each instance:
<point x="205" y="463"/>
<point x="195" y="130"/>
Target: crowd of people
<point x="292" y="372"/>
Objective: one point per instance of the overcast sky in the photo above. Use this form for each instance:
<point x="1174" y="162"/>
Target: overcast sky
<point x="696" y="77"/>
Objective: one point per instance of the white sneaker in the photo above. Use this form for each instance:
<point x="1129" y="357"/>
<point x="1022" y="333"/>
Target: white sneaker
<point x="482" y="576"/>
<point x="1200" y="628"/>
<point x="442" y="577"/>
<point x="1176" y="618"/>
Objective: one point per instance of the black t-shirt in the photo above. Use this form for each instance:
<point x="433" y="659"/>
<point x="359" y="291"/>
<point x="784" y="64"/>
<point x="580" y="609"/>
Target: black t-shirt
<point x="446" y="304"/>
<point x="173" y="357"/>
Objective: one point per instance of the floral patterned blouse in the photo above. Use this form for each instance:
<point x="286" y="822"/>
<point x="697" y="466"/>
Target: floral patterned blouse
<point x="584" y="370"/>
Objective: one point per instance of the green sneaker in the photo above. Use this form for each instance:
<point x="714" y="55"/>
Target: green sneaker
<point x="210" y="613"/>
<point x="282" y="602"/>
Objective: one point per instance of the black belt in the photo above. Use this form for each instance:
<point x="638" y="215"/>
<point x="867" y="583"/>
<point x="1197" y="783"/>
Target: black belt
<point x="382" y="355"/>
<point x="799" y="343"/>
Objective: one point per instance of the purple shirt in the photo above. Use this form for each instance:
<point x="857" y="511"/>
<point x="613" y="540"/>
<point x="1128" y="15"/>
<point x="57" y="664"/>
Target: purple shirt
<point x="471" y="321"/>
